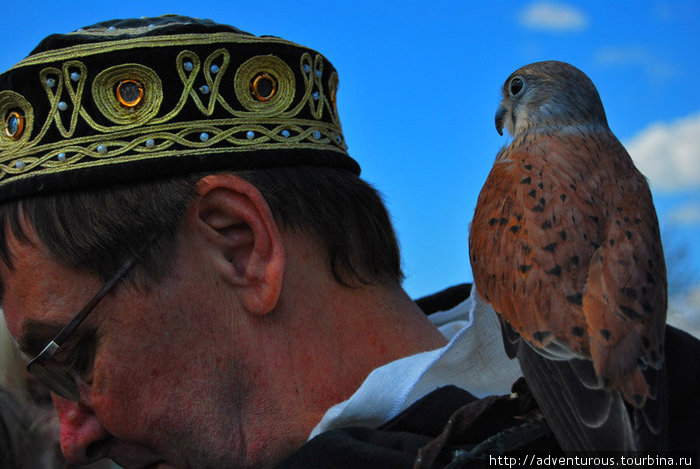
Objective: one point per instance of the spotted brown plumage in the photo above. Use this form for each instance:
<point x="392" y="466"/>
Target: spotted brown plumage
<point x="565" y="246"/>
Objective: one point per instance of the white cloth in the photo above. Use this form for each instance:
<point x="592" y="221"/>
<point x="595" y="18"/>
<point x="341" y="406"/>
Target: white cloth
<point x="474" y="360"/>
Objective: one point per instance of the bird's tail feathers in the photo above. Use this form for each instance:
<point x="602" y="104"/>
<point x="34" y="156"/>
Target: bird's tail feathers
<point x="634" y="388"/>
<point x="650" y="422"/>
<point x="582" y="419"/>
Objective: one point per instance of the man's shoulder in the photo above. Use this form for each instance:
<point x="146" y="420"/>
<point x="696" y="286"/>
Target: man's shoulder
<point x="446" y="424"/>
<point x="683" y="371"/>
<point x="451" y="424"/>
<point x="392" y="445"/>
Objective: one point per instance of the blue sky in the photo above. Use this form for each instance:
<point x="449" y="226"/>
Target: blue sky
<point x="419" y="85"/>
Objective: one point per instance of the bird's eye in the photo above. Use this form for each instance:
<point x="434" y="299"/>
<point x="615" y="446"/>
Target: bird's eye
<point x="516" y="86"/>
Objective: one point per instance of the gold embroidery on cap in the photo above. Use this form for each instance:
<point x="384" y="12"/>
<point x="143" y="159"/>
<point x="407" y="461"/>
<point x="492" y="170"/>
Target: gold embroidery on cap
<point x="279" y="71"/>
<point x="65" y="96"/>
<point x="88" y="49"/>
<point x="106" y="88"/>
<point x="140" y="133"/>
<point x="318" y="98"/>
<point x="333" y="85"/>
<point x="213" y="78"/>
<point x="209" y="90"/>
<point x="17" y="120"/>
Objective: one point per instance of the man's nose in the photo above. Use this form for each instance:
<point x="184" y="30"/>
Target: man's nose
<point x="83" y="439"/>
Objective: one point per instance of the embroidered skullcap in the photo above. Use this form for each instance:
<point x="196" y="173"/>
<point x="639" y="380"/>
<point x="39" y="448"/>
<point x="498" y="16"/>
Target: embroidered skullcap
<point x="135" y="99"/>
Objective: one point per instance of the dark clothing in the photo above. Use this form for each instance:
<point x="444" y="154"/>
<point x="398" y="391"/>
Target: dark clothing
<point x="450" y="428"/>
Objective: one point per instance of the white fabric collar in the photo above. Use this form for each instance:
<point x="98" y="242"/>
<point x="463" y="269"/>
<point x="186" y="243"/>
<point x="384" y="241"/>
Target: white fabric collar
<point x="474" y="360"/>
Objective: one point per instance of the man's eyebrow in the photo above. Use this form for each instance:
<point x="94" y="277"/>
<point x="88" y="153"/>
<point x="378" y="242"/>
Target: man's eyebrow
<point x="36" y="335"/>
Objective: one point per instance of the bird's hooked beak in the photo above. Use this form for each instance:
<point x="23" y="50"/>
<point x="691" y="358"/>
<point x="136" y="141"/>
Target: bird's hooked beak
<point x="500" y="117"/>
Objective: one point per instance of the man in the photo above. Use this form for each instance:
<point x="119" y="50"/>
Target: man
<point x="200" y="275"/>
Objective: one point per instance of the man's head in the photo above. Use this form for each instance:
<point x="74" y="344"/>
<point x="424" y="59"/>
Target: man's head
<point x="215" y="159"/>
<point x="117" y="122"/>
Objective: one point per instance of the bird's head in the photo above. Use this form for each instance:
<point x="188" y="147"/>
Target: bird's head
<point x="546" y="94"/>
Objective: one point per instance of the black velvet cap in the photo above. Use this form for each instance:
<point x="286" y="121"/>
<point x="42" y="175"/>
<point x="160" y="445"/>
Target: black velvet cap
<point x="136" y="99"/>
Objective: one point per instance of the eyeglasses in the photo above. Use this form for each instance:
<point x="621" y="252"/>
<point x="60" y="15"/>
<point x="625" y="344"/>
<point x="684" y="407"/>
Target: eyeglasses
<point x="47" y="369"/>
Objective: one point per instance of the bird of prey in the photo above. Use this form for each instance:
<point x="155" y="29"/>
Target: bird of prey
<point x="565" y="246"/>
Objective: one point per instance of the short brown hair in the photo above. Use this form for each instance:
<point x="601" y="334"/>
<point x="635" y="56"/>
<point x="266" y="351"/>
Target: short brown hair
<point x="98" y="229"/>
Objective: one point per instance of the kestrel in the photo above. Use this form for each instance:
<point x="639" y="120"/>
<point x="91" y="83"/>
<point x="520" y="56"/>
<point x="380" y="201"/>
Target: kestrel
<point x="565" y="246"/>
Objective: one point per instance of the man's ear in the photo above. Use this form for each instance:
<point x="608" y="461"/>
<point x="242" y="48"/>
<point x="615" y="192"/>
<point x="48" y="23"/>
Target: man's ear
<point x="247" y="251"/>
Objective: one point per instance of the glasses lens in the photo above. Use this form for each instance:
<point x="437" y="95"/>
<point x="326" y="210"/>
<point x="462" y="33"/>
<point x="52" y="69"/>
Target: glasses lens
<point x="55" y="378"/>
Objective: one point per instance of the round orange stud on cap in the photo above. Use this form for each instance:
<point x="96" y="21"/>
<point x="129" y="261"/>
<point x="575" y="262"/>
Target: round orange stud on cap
<point x="129" y="93"/>
<point x="14" y="125"/>
<point x="264" y="87"/>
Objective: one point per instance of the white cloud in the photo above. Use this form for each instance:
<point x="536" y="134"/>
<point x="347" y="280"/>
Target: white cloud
<point x="635" y="56"/>
<point x="684" y="312"/>
<point x="551" y="16"/>
<point x="688" y="214"/>
<point x="668" y="154"/>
